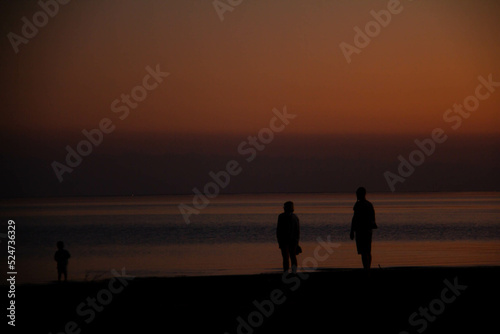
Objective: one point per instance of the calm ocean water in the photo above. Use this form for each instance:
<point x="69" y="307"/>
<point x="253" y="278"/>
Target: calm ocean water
<point x="235" y="234"/>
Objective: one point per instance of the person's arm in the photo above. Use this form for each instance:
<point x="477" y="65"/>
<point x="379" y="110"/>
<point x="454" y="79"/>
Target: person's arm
<point x="351" y="235"/>
<point x="278" y="229"/>
<point x="353" y="222"/>
<point x="372" y="216"/>
<point x="296" y="234"/>
<point x="298" y="230"/>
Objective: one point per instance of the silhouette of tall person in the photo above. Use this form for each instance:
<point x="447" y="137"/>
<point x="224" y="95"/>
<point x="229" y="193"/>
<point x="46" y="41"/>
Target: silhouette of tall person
<point x="61" y="257"/>
<point x="288" y="235"/>
<point x="363" y="222"/>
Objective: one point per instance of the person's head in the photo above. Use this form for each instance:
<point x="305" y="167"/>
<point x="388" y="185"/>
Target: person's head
<point x="361" y="193"/>
<point x="60" y="245"/>
<point x="288" y="207"/>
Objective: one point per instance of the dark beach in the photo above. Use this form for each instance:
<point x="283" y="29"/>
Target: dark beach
<point x="437" y="299"/>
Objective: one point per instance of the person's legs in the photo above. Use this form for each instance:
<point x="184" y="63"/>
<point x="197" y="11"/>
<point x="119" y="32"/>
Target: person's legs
<point x="361" y="247"/>
<point x="285" y="253"/>
<point x="293" y="258"/>
<point x="364" y="247"/>
<point x="366" y="258"/>
<point x="65" y="273"/>
<point x="59" y="275"/>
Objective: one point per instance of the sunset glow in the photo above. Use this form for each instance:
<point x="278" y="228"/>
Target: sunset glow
<point x="376" y="74"/>
<point x="227" y="76"/>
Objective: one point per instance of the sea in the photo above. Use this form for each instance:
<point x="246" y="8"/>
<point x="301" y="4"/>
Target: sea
<point x="236" y="234"/>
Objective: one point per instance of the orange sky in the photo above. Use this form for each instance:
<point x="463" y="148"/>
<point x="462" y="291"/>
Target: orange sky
<point x="225" y="77"/>
<point x="354" y="120"/>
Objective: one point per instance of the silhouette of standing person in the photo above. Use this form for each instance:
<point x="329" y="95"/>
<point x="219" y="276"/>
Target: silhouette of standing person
<point x="61" y="256"/>
<point x="288" y="235"/>
<point x="363" y="222"/>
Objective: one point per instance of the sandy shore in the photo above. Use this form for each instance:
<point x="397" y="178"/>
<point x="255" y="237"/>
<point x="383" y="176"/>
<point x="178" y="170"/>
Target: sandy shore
<point x="392" y="300"/>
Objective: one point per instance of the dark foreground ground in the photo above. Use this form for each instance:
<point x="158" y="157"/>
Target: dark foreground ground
<point x="393" y="300"/>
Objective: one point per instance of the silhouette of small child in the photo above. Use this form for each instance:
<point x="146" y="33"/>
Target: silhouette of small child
<point x="61" y="256"/>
